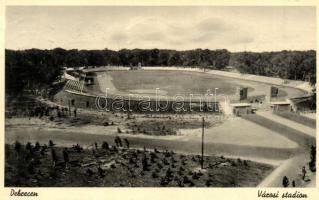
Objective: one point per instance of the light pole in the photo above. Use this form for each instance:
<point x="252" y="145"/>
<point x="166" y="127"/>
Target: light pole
<point x="69" y="102"/>
<point x="203" y="125"/>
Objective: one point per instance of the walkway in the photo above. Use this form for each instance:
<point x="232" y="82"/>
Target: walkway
<point x="297" y="126"/>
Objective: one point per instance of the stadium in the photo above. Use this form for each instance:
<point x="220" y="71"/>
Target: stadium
<point x="173" y="90"/>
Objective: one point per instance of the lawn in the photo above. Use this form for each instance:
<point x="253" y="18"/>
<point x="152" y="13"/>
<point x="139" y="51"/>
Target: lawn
<point x="170" y="82"/>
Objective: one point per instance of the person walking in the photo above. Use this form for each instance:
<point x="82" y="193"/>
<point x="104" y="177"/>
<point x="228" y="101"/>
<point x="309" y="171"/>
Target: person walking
<point x="304" y="172"/>
<point x="285" y="181"/>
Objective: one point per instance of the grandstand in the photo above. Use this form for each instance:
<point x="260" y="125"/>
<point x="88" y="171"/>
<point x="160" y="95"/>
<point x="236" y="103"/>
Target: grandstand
<point x="74" y="86"/>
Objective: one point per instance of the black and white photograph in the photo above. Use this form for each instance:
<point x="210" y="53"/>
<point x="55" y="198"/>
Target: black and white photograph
<point x="160" y="96"/>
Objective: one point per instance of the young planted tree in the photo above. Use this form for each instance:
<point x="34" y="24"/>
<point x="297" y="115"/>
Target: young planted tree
<point x="17" y="146"/>
<point x="78" y="148"/>
<point x="119" y="142"/>
<point x="105" y="145"/>
<point x="101" y="172"/>
<point x="28" y="146"/>
<point x="65" y="156"/>
<point x="54" y="157"/>
<point x="127" y="143"/>
<point x="43" y="150"/>
<point x="51" y="144"/>
<point x="37" y="146"/>
<point x="145" y="164"/>
<point x="119" y="130"/>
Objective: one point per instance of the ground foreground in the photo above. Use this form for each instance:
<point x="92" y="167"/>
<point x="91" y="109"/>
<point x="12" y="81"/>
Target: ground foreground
<point x="275" y="142"/>
<point x="32" y="166"/>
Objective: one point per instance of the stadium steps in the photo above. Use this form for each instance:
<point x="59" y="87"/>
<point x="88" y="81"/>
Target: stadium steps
<point x="75" y="86"/>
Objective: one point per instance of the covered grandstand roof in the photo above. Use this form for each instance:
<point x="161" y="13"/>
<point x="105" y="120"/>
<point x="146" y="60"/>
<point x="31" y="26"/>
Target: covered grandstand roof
<point x="280" y="103"/>
<point x="240" y="104"/>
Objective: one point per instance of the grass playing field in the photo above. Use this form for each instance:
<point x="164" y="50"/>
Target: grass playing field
<point x="172" y="83"/>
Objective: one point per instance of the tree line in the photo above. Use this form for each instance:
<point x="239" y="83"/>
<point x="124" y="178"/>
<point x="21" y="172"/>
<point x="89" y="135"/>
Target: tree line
<point x="294" y="65"/>
<point x="36" y="68"/>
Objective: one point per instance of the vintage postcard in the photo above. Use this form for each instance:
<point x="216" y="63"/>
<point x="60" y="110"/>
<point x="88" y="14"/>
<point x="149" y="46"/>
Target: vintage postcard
<point x="116" y="100"/>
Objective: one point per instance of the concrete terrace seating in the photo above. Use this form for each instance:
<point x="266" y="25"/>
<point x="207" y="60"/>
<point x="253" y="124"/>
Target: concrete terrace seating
<point x="73" y="85"/>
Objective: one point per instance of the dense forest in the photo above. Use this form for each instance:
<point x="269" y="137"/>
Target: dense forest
<point x="294" y="65"/>
<point x="38" y="69"/>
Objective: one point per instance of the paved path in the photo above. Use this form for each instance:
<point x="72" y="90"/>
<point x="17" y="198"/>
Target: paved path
<point x="291" y="167"/>
<point x="292" y="124"/>
<point x="309" y="115"/>
<point x="295" y="157"/>
<point x="238" y="131"/>
<point x="302" y="139"/>
<point x="268" y="155"/>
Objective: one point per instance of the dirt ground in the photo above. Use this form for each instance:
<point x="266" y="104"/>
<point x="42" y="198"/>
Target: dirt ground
<point x="121" y="166"/>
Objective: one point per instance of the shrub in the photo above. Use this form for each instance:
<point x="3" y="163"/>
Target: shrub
<point x="180" y="183"/>
<point x="191" y="184"/>
<point x="164" y="182"/>
<point x="208" y="183"/>
<point x="233" y="164"/>
<point x="159" y="166"/>
<point x="154" y="175"/>
<point x="312" y="166"/>
<point x="195" y="176"/>
<point x="165" y="162"/>
<point x="312" y="163"/>
<point x="30" y="167"/>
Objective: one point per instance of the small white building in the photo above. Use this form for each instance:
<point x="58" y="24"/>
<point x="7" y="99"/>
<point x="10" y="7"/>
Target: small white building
<point x="241" y="108"/>
<point x="281" y="106"/>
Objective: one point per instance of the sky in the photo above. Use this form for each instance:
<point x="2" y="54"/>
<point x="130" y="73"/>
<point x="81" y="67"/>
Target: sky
<point x="181" y="27"/>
